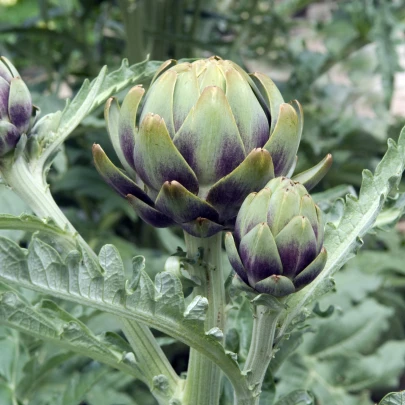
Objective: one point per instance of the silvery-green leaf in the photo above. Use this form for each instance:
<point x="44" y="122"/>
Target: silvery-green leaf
<point x="392" y="212"/>
<point x="342" y="352"/>
<point x="342" y="379"/>
<point x="80" y="384"/>
<point x="197" y="308"/>
<point x="216" y="333"/>
<point x="342" y="240"/>
<point x="394" y="398"/>
<point x="240" y="319"/>
<point x="48" y="321"/>
<point x="330" y="195"/>
<point x="356" y="330"/>
<point x="80" y="279"/>
<point x="298" y="397"/>
<point x="93" y="94"/>
<point x="11" y="204"/>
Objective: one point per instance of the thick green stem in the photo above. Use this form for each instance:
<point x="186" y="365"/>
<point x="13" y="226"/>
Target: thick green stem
<point x="261" y="349"/>
<point x="33" y="190"/>
<point x="203" y="386"/>
<point x="158" y="372"/>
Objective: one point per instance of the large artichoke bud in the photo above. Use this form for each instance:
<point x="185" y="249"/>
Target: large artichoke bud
<point x="206" y="135"/>
<point x="17" y="114"/>
<point x="277" y="248"/>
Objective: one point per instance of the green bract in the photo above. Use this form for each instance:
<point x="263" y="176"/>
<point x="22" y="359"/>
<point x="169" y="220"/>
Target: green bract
<point x="205" y="136"/>
<point x="278" y="241"/>
<point x="17" y="114"/>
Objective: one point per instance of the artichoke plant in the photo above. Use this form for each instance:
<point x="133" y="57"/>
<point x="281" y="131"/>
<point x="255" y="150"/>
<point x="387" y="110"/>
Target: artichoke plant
<point x="277" y="248"/>
<point x="205" y="136"/>
<point x="17" y="114"/>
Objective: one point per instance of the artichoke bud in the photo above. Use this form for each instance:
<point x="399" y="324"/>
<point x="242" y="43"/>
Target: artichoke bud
<point x="17" y="114"/>
<point x="277" y="247"/>
<point x="204" y="136"/>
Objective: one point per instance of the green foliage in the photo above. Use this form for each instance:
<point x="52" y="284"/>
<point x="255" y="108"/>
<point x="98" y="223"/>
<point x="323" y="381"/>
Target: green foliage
<point x="342" y="239"/>
<point x="11" y="205"/>
<point x="298" y="397"/>
<point x="342" y="348"/>
<point x="347" y="353"/>
<point x="395" y="398"/>
<point x="355" y="349"/>
<point x="47" y="320"/>
<point x="103" y="285"/>
<point x="39" y="374"/>
<point x="89" y="97"/>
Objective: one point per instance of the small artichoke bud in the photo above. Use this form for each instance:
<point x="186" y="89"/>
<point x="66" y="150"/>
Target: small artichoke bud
<point x="205" y="135"/>
<point x="277" y="247"/>
<point x="17" y="114"/>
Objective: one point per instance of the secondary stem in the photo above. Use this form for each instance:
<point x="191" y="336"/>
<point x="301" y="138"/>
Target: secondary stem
<point x="33" y="190"/>
<point x="153" y="361"/>
<point x="203" y="386"/>
<point x="261" y="347"/>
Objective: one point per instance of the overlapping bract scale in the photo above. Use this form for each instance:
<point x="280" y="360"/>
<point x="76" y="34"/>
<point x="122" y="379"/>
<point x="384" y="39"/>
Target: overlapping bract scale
<point x="277" y="245"/>
<point x="204" y="136"/>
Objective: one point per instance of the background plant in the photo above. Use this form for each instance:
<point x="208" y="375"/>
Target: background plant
<point x="330" y="63"/>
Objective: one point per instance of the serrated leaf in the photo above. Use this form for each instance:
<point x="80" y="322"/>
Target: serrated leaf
<point x="114" y="275"/>
<point x="197" y="309"/>
<point x="394" y="398"/>
<point x="13" y="357"/>
<point x="216" y="333"/>
<point x="30" y="223"/>
<point x="357" y="330"/>
<point x="240" y="320"/>
<point x="298" y="397"/>
<point x="343" y="240"/>
<point x="343" y="377"/>
<point x="391" y="214"/>
<point x="93" y="94"/>
<point x="327" y="198"/>
<point x="81" y="279"/>
<point x="382" y="262"/>
<point x="48" y="321"/>
<point x="169" y="293"/>
<point x="80" y="384"/>
<point x="349" y="290"/>
<point x="34" y="373"/>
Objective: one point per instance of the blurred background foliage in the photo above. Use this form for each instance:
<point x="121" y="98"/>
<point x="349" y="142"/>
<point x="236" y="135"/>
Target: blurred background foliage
<point x="343" y="60"/>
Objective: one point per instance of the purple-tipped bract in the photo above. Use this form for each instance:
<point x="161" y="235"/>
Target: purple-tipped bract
<point x="204" y="136"/>
<point x="277" y="247"/>
<point x="17" y="114"/>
